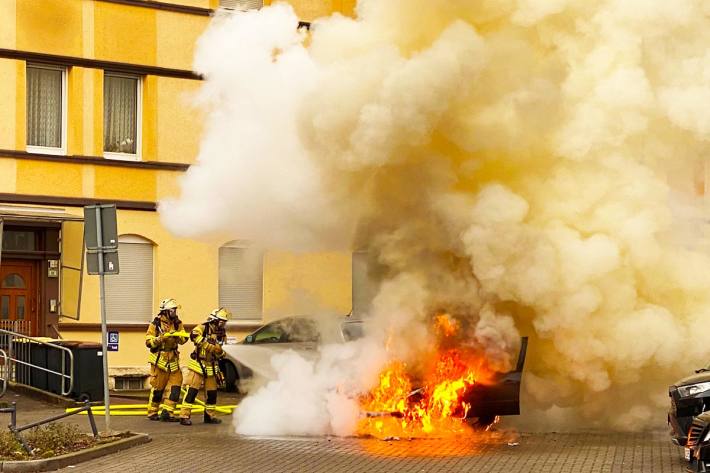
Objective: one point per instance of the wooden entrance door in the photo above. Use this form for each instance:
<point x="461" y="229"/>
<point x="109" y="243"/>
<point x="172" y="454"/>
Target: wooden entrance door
<point x="18" y="294"/>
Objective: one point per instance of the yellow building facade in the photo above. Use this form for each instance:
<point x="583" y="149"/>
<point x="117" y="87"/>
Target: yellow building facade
<point x="94" y="108"/>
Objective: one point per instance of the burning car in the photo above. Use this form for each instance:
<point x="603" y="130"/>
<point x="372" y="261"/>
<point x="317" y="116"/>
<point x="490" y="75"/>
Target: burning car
<point x="454" y="386"/>
<point x="690" y="397"/>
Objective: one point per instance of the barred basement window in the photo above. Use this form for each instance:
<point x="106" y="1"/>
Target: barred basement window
<point x="129" y="383"/>
<point x="241" y="5"/>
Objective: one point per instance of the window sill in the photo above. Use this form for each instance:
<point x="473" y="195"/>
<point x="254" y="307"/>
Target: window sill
<point x="46" y="150"/>
<point x="245" y="322"/>
<point x="122" y="156"/>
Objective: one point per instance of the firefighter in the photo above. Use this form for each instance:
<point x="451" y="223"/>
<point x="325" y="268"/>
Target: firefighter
<point x="203" y="367"/>
<point x="165" y="333"/>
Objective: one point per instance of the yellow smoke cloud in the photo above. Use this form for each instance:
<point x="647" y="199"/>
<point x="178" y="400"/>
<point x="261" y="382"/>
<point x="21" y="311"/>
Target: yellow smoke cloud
<point x="512" y="162"/>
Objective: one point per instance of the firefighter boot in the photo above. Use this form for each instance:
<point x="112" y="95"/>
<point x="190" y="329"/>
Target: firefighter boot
<point x="211" y="419"/>
<point x="185" y="422"/>
<point x="166" y="416"/>
<point x="210" y="403"/>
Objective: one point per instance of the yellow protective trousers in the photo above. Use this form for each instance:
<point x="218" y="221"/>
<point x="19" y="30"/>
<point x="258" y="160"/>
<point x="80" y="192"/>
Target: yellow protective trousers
<point x="194" y="381"/>
<point x="164" y="383"/>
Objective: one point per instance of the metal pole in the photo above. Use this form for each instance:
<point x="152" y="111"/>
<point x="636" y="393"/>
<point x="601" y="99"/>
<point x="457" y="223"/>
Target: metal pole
<point x="92" y="422"/>
<point x="104" y="335"/>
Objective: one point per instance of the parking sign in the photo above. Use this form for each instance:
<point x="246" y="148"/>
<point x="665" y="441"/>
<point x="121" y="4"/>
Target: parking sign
<point x="113" y="341"/>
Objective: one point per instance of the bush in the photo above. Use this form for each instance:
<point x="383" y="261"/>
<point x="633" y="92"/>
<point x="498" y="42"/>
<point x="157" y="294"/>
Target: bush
<point x="10" y="448"/>
<point x="45" y="441"/>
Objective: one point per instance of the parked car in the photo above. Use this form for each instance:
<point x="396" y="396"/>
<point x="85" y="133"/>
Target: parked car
<point x="304" y="334"/>
<point x="697" y="447"/>
<point x="690" y="397"/>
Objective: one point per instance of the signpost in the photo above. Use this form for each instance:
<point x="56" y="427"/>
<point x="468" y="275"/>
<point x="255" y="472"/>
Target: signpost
<point x="101" y="237"/>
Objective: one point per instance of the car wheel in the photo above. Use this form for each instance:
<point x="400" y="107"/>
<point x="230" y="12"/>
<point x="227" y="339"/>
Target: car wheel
<point x="231" y="377"/>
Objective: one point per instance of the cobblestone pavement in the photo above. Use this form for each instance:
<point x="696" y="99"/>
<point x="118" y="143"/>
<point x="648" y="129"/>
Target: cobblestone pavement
<point x="209" y="448"/>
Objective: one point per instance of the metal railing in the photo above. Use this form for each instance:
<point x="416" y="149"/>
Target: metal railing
<point x="18" y="326"/>
<point x="3" y="371"/>
<point x="17" y="431"/>
<point x="24" y="364"/>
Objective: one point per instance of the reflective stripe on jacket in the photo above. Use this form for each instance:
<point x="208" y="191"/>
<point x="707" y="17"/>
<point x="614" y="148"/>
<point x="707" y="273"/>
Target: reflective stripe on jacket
<point x="164" y="353"/>
<point x="204" y="359"/>
<point x="163" y="362"/>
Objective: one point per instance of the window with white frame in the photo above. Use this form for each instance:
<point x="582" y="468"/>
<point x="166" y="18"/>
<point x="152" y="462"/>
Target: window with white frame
<point x="241" y="274"/>
<point x="129" y="294"/>
<point x="46" y="109"/>
<point x="122" y="116"/>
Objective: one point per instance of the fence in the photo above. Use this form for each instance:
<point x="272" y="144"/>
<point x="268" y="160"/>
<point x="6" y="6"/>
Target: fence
<point x="35" y="362"/>
<point x="18" y="326"/>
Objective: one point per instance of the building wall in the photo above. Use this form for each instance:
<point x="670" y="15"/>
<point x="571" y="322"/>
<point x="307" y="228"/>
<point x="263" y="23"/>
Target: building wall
<point x="171" y="128"/>
<point x="310" y="10"/>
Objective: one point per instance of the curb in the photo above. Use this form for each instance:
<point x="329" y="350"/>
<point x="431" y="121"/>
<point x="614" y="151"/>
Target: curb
<point x="49" y="464"/>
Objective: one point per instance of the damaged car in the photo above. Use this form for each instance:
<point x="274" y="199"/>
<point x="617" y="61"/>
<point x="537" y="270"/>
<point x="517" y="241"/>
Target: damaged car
<point x="690" y="397"/>
<point x="497" y="397"/>
<point x="697" y="446"/>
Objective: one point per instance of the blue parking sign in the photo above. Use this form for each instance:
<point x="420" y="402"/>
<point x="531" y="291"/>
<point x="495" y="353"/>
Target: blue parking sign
<point x="112" y="341"/>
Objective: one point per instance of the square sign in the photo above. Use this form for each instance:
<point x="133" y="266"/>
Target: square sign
<point x="109" y="231"/>
<point x="112" y="341"/>
<point x="101" y="239"/>
<point x="110" y="262"/>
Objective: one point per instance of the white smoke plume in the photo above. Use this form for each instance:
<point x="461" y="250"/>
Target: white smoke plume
<point x="513" y="162"/>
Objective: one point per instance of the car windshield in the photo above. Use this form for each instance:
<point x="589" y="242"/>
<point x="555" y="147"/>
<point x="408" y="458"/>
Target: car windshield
<point x="352" y="331"/>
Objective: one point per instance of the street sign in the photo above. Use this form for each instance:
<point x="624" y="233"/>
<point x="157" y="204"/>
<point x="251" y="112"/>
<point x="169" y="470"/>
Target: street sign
<point x="101" y="237"/>
<point x="113" y="341"/>
<point x="109" y="229"/>
<point x="101" y="242"/>
<point x="110" y="262"/>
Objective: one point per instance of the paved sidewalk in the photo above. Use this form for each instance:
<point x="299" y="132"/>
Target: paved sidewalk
<point x="210" y="448"/>
<point x="222" y="451"/>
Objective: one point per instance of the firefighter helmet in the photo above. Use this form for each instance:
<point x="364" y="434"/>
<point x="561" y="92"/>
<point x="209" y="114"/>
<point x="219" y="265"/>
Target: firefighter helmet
<point x="219" y="314"/>
<point x="167" y="304"/>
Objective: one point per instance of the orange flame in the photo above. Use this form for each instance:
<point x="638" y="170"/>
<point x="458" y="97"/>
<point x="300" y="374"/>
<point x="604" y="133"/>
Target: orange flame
<point x="395" y="409"/>
<point x="445" y="325"/>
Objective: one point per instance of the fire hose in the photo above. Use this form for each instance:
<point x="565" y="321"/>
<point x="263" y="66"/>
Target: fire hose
<point x="139" y="409"/>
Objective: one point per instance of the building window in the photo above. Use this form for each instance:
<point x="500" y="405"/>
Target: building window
<point x="129" y="383"/>
<point x="241" y="274"/>
<point x="19" y="240"/>
<point x="122" y="116"/>
<point x="241" y="5"/>
<point x="46" y="109"/>
<point x="129" y="294"/>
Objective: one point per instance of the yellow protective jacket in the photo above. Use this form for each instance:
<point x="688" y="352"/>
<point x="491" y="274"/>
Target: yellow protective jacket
<point x="163" y="346"/>
<point x="204" y="360"/>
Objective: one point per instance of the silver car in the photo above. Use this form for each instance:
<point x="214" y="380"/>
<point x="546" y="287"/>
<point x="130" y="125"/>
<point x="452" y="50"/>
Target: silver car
<point x="303" y="334"/>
